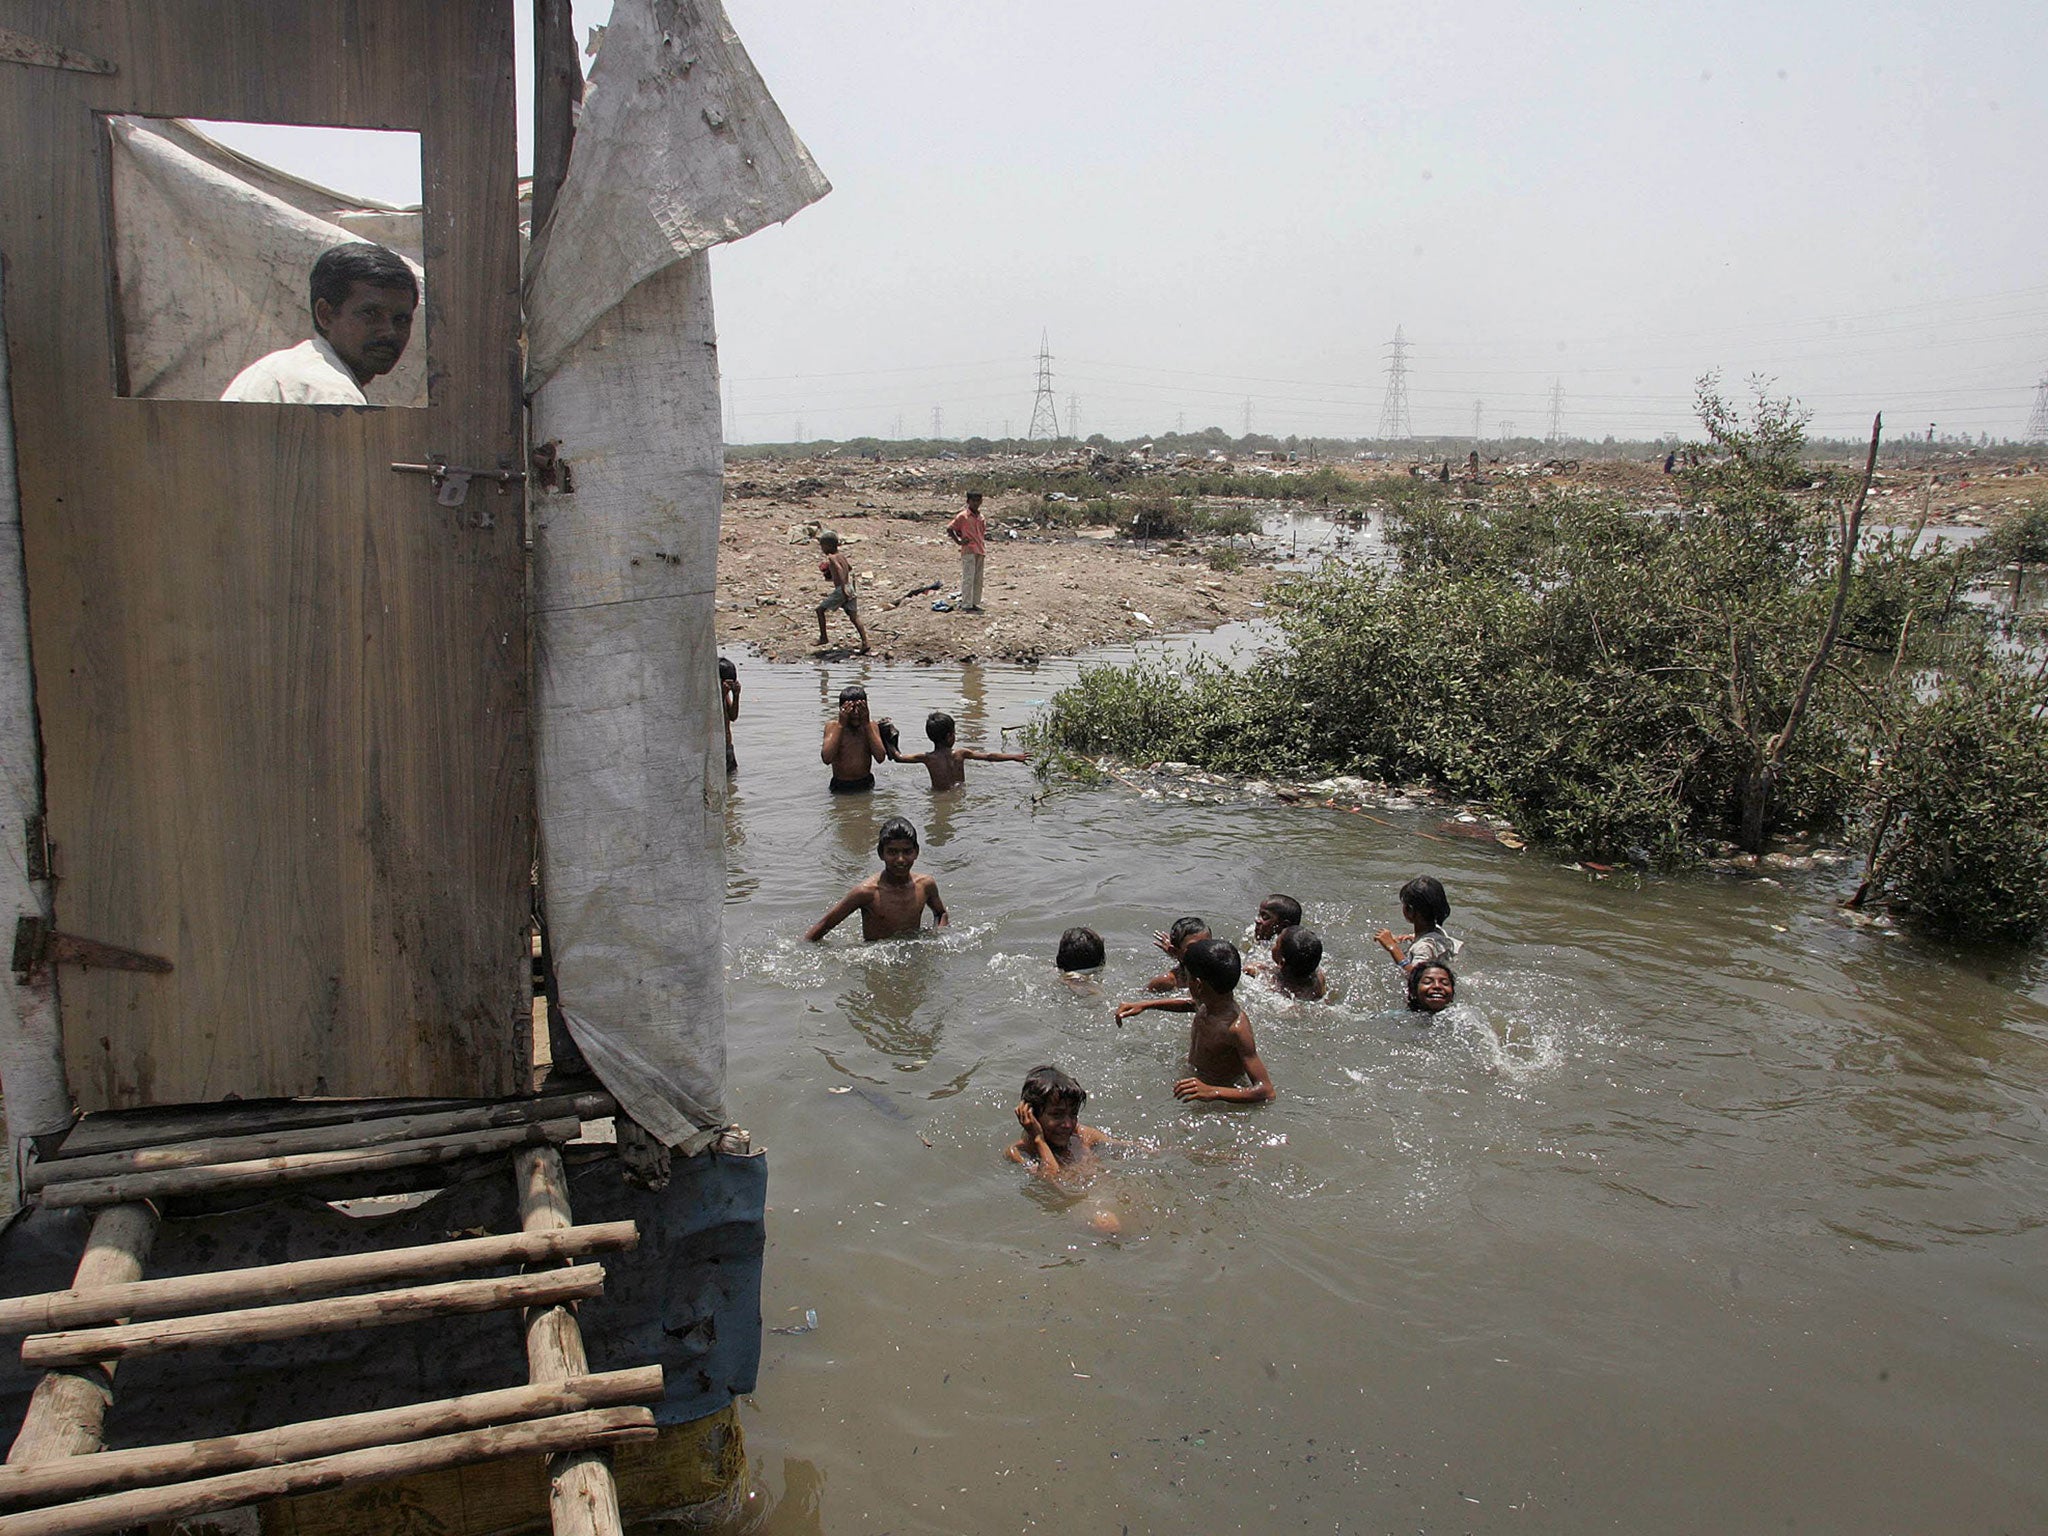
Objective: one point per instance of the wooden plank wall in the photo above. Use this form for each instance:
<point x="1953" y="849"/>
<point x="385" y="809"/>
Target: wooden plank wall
<point x="283" y="694"/>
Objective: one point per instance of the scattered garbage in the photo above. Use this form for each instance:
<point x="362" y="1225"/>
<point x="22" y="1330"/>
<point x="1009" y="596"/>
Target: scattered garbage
<point x="810" y="1321"/>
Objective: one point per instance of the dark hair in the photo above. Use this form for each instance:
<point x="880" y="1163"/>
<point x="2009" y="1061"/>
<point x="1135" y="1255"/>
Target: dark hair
<point x="728" y="671"/>
<point x="1213" y="961"/>
<point x="1425" y="894"/>
<point x="341" y="267"/>
<point x="1080" y="949"/>
<point x="1300" y="952"/>
<point x="895" y="830"/>
<point x="939" y="726"/>
<point x="1285" y="908"/>
<point x="1049" y="1085"/>
<point x="1185" y="928"/>
<point x="973" y="497"/>
<point x="1415" y="979"/>
<point x="851" y="692"/>
<point x="828" y="540"/>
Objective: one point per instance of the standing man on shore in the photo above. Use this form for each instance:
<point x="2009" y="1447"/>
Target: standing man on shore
<point x="971" y="534"/>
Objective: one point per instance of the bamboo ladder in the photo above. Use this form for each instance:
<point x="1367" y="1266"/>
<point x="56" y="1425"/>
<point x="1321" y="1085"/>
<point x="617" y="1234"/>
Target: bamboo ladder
<point x="59" y="1481"/>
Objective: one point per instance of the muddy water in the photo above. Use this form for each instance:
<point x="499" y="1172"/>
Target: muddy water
<point x="1705" y="1212"/>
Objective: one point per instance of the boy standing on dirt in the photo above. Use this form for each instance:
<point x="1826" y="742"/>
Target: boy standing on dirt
<point x="1223" y="1058"/>
<point x="838" y="570"/>
<point x="971" y="534"/>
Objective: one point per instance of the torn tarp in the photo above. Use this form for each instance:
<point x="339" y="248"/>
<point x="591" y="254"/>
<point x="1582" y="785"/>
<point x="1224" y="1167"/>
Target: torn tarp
<point x="679" y="147"/>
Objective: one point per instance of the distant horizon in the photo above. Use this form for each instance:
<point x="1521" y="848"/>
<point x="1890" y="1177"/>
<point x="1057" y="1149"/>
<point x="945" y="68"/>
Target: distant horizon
<point x="1207" y="219"/>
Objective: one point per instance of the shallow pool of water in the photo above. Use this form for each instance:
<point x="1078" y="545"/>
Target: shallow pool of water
<point x="1706" y="1211"/>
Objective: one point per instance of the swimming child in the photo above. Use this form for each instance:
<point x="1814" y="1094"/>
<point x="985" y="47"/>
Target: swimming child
<point x="1223" y="1058"/>
<point x="1425" y="906"/>
<point x="1080" y="960"/>
<point x="853" y="743"/>
<point x="946" y="763"/>
<point x="729" y="697"/>
<point x="1297" y="966"/>
<point x="1275" y="913"/>
<point x="893" y="901"/>
<point x="1174" y="942"/>
<point x="838" y="570"/>
<point x="1055" y="1144"/>
<point x="1431" y="987"/>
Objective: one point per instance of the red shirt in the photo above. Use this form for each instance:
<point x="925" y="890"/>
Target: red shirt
<point x="972" y="532"/>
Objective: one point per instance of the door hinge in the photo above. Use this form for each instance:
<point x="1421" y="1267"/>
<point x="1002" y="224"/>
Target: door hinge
<point x="38" y="945"/>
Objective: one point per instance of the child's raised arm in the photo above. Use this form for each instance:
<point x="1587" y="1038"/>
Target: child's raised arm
<point x="994" y="757"/>
<point x="1169" y="1004"/>
<point x="1386" y="940"/>
<point x="931" y="899"/>
<point x="844" y="908"/>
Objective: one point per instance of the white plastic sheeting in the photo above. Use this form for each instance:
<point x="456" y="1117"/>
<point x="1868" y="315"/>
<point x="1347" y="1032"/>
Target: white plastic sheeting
<point x="679" y="147"/>
<point x="212" y="254"/>
<point x="31" y="1046"/>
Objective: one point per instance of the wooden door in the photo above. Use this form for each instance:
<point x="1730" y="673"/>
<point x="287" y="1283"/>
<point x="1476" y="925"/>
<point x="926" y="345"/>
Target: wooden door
<point x="282" y="690"/>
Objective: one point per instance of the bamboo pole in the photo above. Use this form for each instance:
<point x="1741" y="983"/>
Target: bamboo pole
<point x="68" y="1408"/>
<point x="379" y="1309"/>
<point x="317" y="1138"/>
<point x="263" y="1172"/>
<point x="262" y="1284"/>
<point x="77" y="1477"/>
<point x="583" y="1496"/>
<point x="178" y="1501"/>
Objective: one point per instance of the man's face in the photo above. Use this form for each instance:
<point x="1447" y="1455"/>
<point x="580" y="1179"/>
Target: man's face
<point x="369" y="329"/>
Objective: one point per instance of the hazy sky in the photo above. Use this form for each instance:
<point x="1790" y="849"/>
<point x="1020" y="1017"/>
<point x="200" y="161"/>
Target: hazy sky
<point x="1205" y="206"/>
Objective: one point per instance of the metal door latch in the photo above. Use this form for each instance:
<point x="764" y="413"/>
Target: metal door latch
<point x="37" y="945"/>
<point x="451" y="483"/>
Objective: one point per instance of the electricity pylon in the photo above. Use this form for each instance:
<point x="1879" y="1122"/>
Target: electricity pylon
<point x="1394" y="409"/>
<point x="2037" y="424"/>
<point x="1045" y="418"/>
<point x="1556" y="434"/>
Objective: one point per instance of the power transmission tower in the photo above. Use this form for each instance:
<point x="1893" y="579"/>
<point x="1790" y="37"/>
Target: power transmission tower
<point x="896" y="433"/>
<point x="1074" y="417"/>
<point x="1045" y="421"/>
<point x="936" y="433"/>
<point x="1247" y="415"/>
<point x="1180" y="422"/>
<point x="732" y="419"/>
<point x="2037" y="424"/>
<point x="1477" y="406"/>
<point x="1556" y="434"/>
<point x="1394" y="409"/>
<point x="799" y="429"/>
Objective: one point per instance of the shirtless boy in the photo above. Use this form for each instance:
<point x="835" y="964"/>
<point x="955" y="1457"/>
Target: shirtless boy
<point x="1275" y="913"/>
<point x="1297" y="967"/>
<point x="946" y="763"/>
<point x="1055" y="1144"/>
<point x="1173" y="943"/>
<point x="891" y="902"/>
<point x="838" y="570"/>
<point x="853" y="744"/>
<point x="1223" y="1058"/>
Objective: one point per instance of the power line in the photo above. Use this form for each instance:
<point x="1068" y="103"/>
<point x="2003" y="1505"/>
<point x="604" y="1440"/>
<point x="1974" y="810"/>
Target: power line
<point x="1394" y="408"/>
<point x="1045" y="421"/>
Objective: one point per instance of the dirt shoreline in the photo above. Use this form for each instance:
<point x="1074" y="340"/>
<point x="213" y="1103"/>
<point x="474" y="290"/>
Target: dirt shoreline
<point x="1056" y="591"/>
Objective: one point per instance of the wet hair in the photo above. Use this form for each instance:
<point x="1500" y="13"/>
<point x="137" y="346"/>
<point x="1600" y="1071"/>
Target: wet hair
<point x="340" y="267"/>
<point x="1185" y="928"/>
<point x="1214" y="962"/>
<point x="1080" y="949"/>
<point x="828" y="541"/>
<point x="1424" y="895"/>
<point x="1049" y="1085"/>
<point x="851" y="692"/>
<point x="1284" y="908"/>
<point x="1415" y="980"/>
<point x="895" y="830"/>
<point x="728" y="671"/>
<point x="1300" y="951"/>
<point x="939" y="726"/>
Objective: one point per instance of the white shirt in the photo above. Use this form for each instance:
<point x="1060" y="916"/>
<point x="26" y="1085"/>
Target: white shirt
<point x="312" y="373"/>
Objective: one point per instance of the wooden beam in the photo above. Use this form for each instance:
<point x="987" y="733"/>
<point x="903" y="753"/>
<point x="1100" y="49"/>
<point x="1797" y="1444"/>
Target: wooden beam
<point x="321" y="1138"/>
<point x="177" y="1295"/>
<point x="379" y="1309"/>
<point x="68" y="1408"/>
<point x="77" y="1477"/>
<point x="583" y="1495"/>
<point x="178" y="1501"/>
<point x="557" y="87"/>
<point x="263" y="1172"/>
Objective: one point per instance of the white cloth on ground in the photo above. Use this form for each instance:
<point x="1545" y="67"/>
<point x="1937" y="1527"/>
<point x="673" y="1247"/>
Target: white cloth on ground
<point x="312" y="373"/>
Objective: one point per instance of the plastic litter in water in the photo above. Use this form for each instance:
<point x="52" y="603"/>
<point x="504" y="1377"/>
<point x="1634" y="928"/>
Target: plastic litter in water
<point x="810" y="1322"/>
